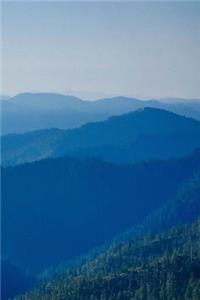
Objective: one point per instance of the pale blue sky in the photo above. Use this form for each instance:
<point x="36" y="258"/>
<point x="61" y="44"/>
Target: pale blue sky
<point x="141" y="49"/>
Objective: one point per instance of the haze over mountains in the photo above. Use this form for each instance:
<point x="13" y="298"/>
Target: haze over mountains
<point x="131" y="171"/>
<point x="145" y="134"/>
<point x="32" y="111"/>
<point x="100" y="189"/>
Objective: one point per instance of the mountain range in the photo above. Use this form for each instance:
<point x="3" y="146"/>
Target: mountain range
<point x="34" y="111"/>
<point x="141" y="135"/>
<point x="98" y="212"/>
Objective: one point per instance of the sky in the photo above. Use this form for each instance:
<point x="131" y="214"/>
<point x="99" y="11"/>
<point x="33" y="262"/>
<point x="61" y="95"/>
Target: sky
<point x="140" y="49"/>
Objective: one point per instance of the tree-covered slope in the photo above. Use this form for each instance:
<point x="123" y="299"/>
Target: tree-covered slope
<point x="144" y="134"/>
<point x="55" y="209"/>
<point x="163" y="266"/>
<point x="183" y="207"/>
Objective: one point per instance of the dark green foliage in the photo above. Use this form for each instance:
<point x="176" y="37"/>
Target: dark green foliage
<point x="54" y="210"/>
<point x="144" y="134"/>
<point x="164" y="266"/>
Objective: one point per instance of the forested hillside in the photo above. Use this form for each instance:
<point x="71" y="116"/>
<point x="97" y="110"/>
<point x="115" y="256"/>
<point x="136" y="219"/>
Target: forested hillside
<point x="56" y="209"/>
<point x="181" y="208"/>
<point x="163" y="266"/>
<point x="141" y="135"/>
<point x="100" y="150"/>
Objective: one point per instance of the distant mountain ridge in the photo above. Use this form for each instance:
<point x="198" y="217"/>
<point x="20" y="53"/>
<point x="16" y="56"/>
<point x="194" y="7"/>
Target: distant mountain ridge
<point x="141" y="135"/>
<point x="34" y="111"/>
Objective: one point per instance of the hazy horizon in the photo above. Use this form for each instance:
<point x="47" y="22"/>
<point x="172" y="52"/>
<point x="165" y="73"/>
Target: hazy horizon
<point x="142" y="50"/>
<point x="94" y="96"/>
